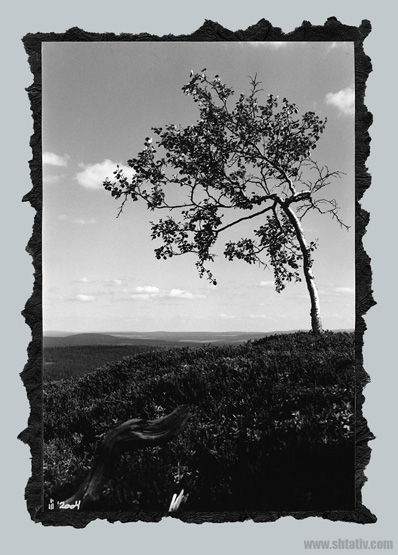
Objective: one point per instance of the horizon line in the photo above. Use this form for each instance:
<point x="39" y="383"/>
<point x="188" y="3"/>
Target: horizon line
<point x="185" y="332"/>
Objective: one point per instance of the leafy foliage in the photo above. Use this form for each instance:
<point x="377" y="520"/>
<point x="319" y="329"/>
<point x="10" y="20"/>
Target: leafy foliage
<point x="271" y="426"/>
<point x="251" y="159"/>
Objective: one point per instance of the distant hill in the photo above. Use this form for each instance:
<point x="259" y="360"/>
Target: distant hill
<point x="56" y="333"/>
<point x="157" y="338"/>
<point x="161" y="338"/>
<point x="79" y="339"/>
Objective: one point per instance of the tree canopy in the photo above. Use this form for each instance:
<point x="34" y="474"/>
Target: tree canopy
<point x="236" y="163"/>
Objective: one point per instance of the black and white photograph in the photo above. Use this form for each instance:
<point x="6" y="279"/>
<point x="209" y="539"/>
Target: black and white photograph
<point x="199" y="280"/>
<point x="198" y="246"/>
<point x="199" y="252"/>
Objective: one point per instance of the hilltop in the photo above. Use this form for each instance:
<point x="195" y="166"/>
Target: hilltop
<point x="271" y="427"/>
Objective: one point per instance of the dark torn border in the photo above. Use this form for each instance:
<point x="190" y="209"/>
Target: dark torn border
<point x="333" y="30"/>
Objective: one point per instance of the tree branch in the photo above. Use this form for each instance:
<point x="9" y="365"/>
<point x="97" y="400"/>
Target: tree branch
<point x="218" y="230"/>
<point x="129" y="435"/>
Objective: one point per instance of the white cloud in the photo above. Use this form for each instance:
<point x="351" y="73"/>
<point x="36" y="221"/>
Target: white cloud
<point x="338" y="44"/>
<point x="145" y="293"/>
<point x="266" y="283"/>
<point x="344" y="289"/>
<point x="275" y="45"/>
<point x="51" y="159"/>
<point x="227" y="316"/>
<point x="93" y="175"/>
<point x="147" y="289"/>
<point x="180" y="294"/>
<point x="51" y="164"/>
<point x="264" y="316"/>
<point x="85" y="221"/>
<point x="85" y="298"/>
<point x="149" y="292"/>
<point x="80" y="221"/>
<point x="344" y="100"/>
<point x="83" y="280"/>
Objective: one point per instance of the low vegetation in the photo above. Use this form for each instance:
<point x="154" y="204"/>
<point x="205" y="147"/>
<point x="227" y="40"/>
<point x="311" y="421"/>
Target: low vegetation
<point x="271" y="426"/>
<point x="74" y="361"/>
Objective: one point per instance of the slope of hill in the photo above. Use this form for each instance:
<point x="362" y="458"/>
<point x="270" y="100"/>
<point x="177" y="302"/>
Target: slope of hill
<point x="271" y="427"/>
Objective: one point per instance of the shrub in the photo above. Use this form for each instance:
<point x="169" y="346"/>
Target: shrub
<point x="271" y="426"/>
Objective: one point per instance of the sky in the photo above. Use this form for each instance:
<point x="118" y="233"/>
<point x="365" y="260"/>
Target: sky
<point x="100" y="273"/>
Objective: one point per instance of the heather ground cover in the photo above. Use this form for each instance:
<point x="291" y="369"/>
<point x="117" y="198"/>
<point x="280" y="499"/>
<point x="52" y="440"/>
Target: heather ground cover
<point x="272" y="426"/>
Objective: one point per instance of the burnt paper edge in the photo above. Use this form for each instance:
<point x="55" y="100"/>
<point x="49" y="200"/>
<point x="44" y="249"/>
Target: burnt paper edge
<point x="332" y="30"/>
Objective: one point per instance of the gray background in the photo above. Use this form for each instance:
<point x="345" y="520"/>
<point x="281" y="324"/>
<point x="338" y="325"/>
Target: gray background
<point x="19" y="533"/>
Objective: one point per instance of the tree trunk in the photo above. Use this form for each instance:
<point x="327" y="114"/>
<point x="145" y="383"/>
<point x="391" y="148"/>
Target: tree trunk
<point x="129" y="435"/>
<point x="315" y="313"/>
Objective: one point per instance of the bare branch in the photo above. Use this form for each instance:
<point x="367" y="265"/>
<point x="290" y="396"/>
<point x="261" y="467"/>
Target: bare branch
<point x="218" y="230"/>
<point x="135" y="433"/>
<point x="120" y="210"/>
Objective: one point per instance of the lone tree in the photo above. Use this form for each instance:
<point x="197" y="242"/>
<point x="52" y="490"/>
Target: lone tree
<point x="239" y="163"/>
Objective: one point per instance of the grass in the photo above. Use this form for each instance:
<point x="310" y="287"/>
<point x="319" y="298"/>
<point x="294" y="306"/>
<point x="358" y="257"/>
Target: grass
<point x="271" y="426"/>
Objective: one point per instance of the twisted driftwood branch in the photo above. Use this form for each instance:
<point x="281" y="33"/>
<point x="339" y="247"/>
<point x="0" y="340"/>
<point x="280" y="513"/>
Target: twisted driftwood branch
<point x="129" y="435"/>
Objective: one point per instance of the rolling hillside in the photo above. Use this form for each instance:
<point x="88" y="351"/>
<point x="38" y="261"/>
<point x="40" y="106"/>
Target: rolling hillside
<point x="160" y="338"/>
<point x="271" y="426"/>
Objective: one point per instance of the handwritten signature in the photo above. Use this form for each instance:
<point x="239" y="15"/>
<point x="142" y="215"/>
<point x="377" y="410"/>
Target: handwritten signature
<point x="63" y="505"/>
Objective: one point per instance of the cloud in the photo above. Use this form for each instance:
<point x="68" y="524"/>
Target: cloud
<point x="93" y="175"/>
<point x="344" y="289"/>
<point x="51" y="164"/>
<point x="180" y="294"/>
<point x="113" y="282"/>
<point x="275" y="45"/>
<point x="147" y="289"/>
<point x="344" y="100"/>
<point x="337" y="44"/>
<point x="80" y="221"/>
<point x="85" y="298"/>
<point x="227" y="316"/>
<point x="83" y="280"/>
<point x="51" y="159"/>
<point x="150" y="292"/>
<point x="145" y="293"/>
<point x="267" y="283"/>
